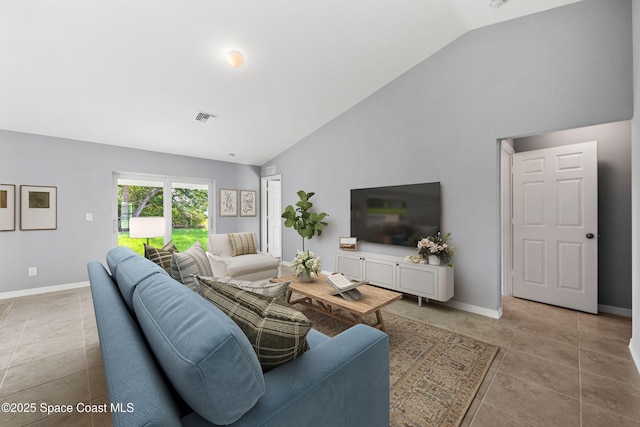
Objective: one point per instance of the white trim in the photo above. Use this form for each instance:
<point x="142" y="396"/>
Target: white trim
<point x="620" y="311"/>
<point x="634" y="346"/>
<point x="43" y="290"/>
<point x="506" y="215"/>
<point x="494" y="314"/>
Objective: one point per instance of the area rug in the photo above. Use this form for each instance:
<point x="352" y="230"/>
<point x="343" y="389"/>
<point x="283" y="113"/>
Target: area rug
<point x="4" y="310"/>
<point x="434" y="373"/>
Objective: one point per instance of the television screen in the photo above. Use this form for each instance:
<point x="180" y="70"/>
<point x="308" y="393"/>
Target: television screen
<point x="396" y="215"/>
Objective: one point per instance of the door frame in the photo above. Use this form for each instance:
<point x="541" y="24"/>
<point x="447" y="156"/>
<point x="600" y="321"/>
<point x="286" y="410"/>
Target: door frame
<point x="506" y="217"/>
<point x="264" y="220"/>
<point x="506" y="268"/>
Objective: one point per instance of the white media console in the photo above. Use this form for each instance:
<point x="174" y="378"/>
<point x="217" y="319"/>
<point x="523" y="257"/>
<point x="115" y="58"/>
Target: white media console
<point x="422" y="280"/>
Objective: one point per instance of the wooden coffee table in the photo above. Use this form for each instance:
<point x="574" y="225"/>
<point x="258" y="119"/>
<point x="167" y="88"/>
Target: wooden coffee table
<point x="317" y="296"/>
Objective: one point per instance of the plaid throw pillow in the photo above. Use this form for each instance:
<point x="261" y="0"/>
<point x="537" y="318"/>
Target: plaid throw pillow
<point x="242" y="244"/>
<point x="185" y="265"/>
<point x="161" y="256"/>
<point x="263" y="287"/>
<point x="277" y="331"/>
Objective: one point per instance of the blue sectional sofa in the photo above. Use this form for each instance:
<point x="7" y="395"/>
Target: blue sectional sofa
<point x="171" y="358"/>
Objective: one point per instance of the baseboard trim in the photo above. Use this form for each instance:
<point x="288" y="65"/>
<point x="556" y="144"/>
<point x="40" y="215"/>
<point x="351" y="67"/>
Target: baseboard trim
<point x="43" y="290"/>
<point x="494" y="314"/>
<point x="634" y="346"/>
<point x="626" y="312"/>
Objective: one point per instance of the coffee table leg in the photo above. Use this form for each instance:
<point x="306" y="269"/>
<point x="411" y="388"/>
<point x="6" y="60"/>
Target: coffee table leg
<point x="380" y="324"/>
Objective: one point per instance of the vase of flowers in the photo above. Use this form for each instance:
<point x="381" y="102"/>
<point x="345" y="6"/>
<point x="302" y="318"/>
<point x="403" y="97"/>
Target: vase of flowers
<point x="436" y="249"/>
<point x="306" y="264"/>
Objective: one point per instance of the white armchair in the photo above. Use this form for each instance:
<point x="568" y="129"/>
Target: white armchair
<point x="235" y="255"/>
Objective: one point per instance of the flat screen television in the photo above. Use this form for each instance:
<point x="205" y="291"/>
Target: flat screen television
<point x="396" y="215"/>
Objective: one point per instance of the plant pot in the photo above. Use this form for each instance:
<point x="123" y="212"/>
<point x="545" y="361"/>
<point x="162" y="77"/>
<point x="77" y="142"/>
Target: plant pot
<point x="434" y="260"/>
<point x="304" y="277"/>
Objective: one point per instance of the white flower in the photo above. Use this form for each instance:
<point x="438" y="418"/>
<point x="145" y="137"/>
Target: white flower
<point x="306" y="261"/>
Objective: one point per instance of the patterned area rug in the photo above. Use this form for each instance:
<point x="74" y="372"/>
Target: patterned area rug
<point x="435" y="373"/>
<point x="4" y="310"/>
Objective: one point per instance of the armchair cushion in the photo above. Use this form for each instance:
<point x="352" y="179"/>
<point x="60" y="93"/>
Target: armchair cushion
<point x="276" y="330"/>
<point x="219" y="245"/>
<point x="242" y="244"/>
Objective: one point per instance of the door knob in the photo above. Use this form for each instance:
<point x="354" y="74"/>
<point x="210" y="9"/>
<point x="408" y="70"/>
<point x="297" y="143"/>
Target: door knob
<point x="590" y="236"/>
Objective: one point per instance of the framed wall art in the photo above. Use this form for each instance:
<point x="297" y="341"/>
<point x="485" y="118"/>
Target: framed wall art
<point x="248" y="203"/>
<point x="7" y="207"/>
<point x="38" y="207"/>
<point x="228" y="202"/>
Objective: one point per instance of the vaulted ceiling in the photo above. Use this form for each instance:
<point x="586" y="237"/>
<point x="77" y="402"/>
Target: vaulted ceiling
<point x="136" y="73"/>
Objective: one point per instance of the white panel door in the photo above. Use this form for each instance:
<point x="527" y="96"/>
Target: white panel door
<point x="274" y="218"/>
<point x="555" y="219"/>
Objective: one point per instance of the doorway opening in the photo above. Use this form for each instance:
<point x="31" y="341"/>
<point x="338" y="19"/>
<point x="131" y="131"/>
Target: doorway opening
<point x="612" y="237"/>
<point x="271" y="215"/>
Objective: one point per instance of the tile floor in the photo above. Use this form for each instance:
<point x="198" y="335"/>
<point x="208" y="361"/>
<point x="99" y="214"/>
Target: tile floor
<point x="555" y="367"/>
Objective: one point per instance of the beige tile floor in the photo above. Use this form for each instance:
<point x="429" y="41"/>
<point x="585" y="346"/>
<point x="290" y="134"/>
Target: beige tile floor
<point x="555" y="367"/>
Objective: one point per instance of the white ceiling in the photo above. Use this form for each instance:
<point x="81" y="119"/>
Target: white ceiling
<point x="135" y="73"/>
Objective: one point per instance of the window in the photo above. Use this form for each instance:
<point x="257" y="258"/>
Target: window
<point x="184" y="205"/>
<point x="189" y="214"/>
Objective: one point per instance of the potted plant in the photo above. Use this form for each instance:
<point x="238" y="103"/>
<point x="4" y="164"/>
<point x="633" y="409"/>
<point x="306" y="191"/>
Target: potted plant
<point x="436" y="249"/>
<point x="305" y="222"/>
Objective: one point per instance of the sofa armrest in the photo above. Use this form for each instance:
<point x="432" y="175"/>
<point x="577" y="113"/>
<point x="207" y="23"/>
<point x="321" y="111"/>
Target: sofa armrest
<point x="133" y="379"/>
<point x="341" y="382"/>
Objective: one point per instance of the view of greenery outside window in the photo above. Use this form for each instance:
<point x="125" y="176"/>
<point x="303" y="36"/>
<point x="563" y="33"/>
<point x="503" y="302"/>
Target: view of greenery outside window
<point x="189" y="213"/>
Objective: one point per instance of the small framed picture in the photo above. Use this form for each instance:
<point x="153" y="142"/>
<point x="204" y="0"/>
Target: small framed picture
<point x="38" y="207"/>
<point x="228" y="202"/>
<point x="7" y="207"/>
<point x="248" y="203"/>
<point x="349" y="243"/>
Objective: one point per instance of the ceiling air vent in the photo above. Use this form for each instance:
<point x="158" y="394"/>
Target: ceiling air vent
<point x="203" y="117"/>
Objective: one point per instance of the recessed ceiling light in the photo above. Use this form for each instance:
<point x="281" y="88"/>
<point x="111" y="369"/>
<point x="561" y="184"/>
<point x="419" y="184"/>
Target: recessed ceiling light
<point x="232" y="154"/>
<point x="235" y="59"/>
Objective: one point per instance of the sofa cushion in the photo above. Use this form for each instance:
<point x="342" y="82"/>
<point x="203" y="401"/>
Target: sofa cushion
<point x="246" y="264"/>
<point x="263" y="287"/>
<point x="276" y="330"/>
<point x="131" y="272"/>
<point x="184" y="265"/>
<point x="219" y="245"/>
<point x="204" y="354"/>
<point x="242" y="244"/>
<point x="161" y="256"/>
<point x="116" y="255"/>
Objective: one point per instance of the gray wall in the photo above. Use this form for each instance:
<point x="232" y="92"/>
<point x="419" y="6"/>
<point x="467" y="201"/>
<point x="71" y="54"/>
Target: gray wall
<point x="614" y="202"/>
<point x="562" y="69"/>
<point x="83" y="173"/>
